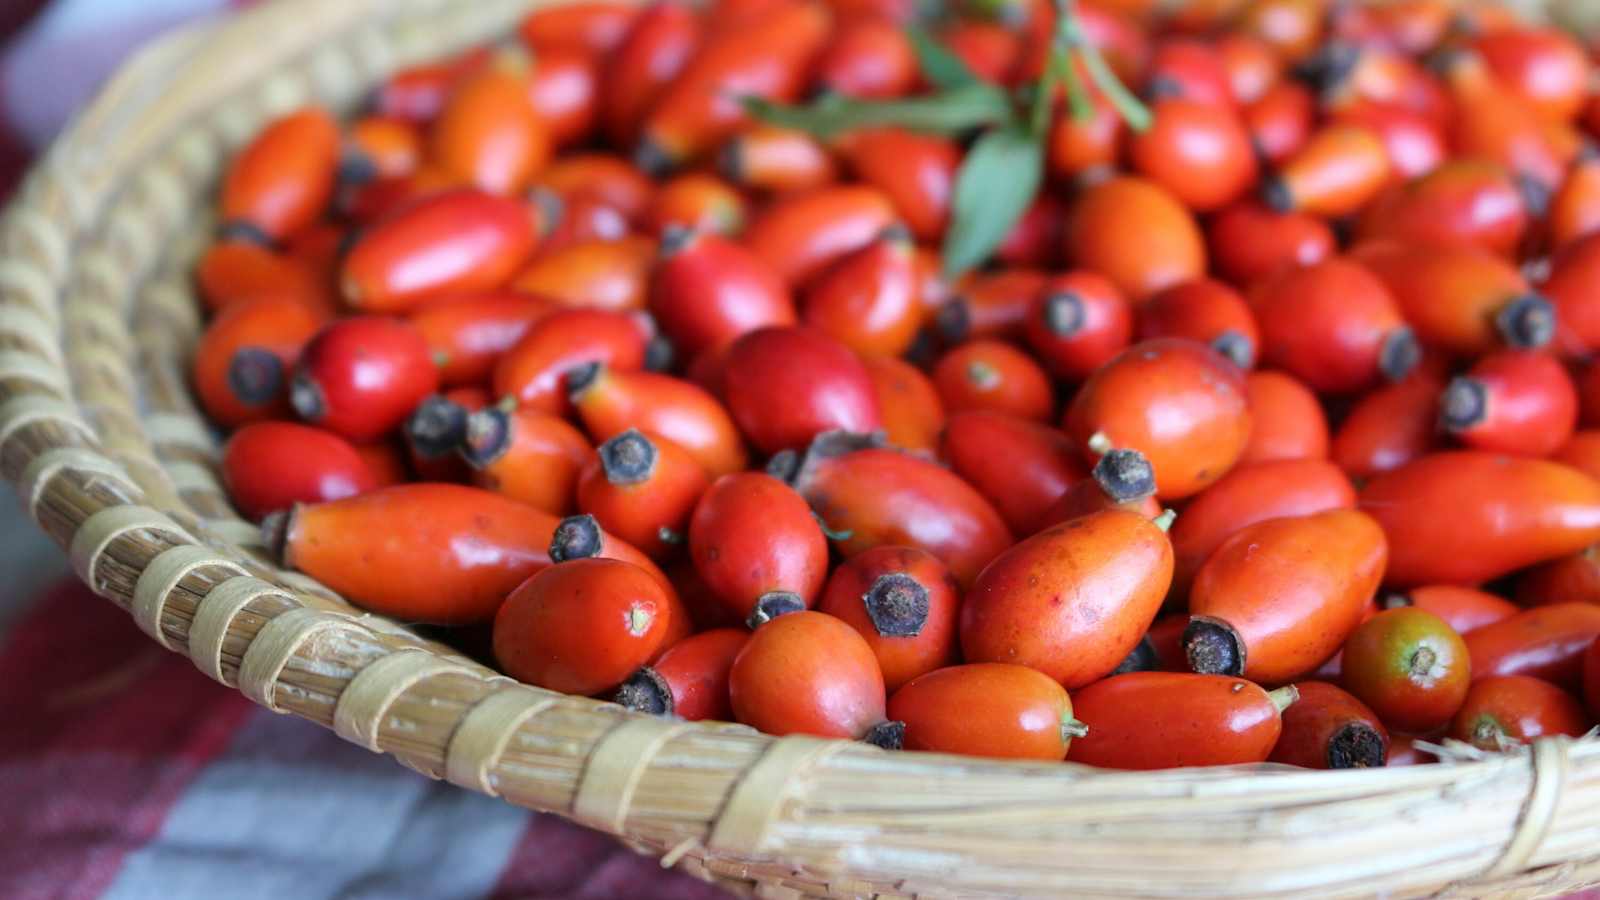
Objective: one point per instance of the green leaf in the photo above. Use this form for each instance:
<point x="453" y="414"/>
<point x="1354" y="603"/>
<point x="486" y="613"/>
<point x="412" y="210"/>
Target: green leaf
<point x="994" y="187"/>
<point x="942" y="68"/>
<point x="953" y="111"/>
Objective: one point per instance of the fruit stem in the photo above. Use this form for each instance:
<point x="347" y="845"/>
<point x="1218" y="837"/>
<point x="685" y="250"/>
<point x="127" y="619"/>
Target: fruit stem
<point x="1284" y="697"/>
<point x="1070" y="34"/>
<point x="1072" y="728"/>
<point x="1165" y="520"/>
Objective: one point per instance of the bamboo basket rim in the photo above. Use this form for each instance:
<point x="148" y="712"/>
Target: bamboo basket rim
<point x="112" y="461"/>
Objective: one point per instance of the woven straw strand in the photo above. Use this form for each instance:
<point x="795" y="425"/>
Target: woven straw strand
<point x="101" y="529"/>
<point x="21" y="412"/>
<point x="275" y="644"/>
<point x="37" y="477"/>
<point x="741" y="829"/>
<point x="359" y="714"/>
<point x="30" y="282"/>
<point x="159" y="579"/>
<point x="211" y="620"/>
<point x="44" y="234"/>
<point x="480" y="740"/>
<point x="1549" y="760"/>
<point x="614" y="768"/>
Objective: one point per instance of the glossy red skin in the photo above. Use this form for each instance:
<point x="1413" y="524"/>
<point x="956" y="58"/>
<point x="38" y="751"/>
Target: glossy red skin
<point x="1191" y="69"/>
<point x="564" y="90"/>
<point x="881" y="496"/>
<point x="868" y="58"/>
<point x="416" y="94"/>
<point x="1380" y="665"/>
<point x="1570" y="579"/>
<point x="1249" y="242"/>
<point x="807" y="673"/>
<point x="803" y="234"/>
<point x="1574" y="273"/>
<point x="283" y="179"/>
<point x="653" y="52"/>
<point x="917" y="172"/>
<point x="869" y="301"/>
<point x="1137" y="234"/>
<point x="711" y="290"/>
<point x="1327" y="324"/>
<point x="912" y="414"/>
<point x="1177" y="402"/>
<point x="1203" y="311"/>
<point x="989" y="305"/>
<point x="1315" y="719"/>
<point x="1167" y="720"/>
<point x="675" y="409"/>
<point x="1035" y="240"/>
<point x="268" y="466"/>
<point x="1337" y="172"/>
<point x="1494" y="123"/>
<point x="1086" y="496"/>
<point x="698" y="202"/>
<point x="1516" y="709"/>
<point x="1390" y="426"/>
<point x="696" y="672"/>
<point x="1292" y="27"/>
<point x="1574" y="211"/>
<point x="1280" y="121"/>
<point x="1076" y="147"/>
<point x="776" y="160"/>
<point x="281" y="327"/>
<point x="784" y="386"/>
<point x="1105" y="330"/>
<point x="1286" y="420"/>
<point x="751" y="534"/>
<point x="769" y="58"/>
<point x="993" y="375"/>
<point x="439" y="553"/>
<point x="901" y="657"/>
<point x="534" y="369"/>
<point x="1416" y="144"/>
<point x="1249" y="65"/>
<point x="1462" y="608"/>
<point x="1532" y="404"/>
<point x="1073" y="600"/>
<point x="985" y="709"/>
<point x="1251" y="494"/>
<point x="367" y="373"/>
<point x="1591" y="679"/>
<point x="1292" y="589"/>
<point x="640" y="511"/>
<point x="233" y="271"/>
<point x="603" y="176"/>
<point x="1197" y="149"/>
<point x="1589" y="396"/>
<point x="459" y="242"/>
<point x="1021" y="467"/>
<point x="489" y="135"/>
<point x="386" y="461"/>
<point x="540" y="463"/>
<point x="394" y="147"/>
<point x="592" y="274"/>
<point x="578" y="220"/>
<point x="1546" y="642"/>
<point x="597" y="26"/>
<point x="468" y="335"/>
<point x="992" y="51"/>
<point x="1465" y="517"/>
<point x="582" y="626"/>
<point x="1464" y="201"/>
<point x="1546" y="67"/>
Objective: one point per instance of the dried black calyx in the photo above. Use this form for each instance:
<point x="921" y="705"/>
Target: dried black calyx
<point x="628" y="458"/>
<point x="647" y="692"/>
<point x="897" y="604"/>
<point x="1464" y="404"/>
<point x="773" y="604"/>
<point x="1213" y="647"/>
<point x="437" y="427"/>
<point x="577" y="537"/>
<point x="1356" y="746"/>
<point x="255" y="375"/>
<point x="888" y="735"/>
<point x="1125" y="475"/>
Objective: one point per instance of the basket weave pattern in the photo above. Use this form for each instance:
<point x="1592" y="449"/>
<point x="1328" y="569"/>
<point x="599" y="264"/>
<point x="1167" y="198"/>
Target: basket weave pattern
<point x="110" y="457"/>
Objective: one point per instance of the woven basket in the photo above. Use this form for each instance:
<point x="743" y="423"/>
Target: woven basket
<point x="113" y="461"/>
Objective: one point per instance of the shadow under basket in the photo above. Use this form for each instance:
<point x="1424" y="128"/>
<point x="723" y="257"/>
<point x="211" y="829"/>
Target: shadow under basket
<point x="113" y="461"/>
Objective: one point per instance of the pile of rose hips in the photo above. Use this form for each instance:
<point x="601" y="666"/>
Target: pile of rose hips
<point x="569" y="337"/>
